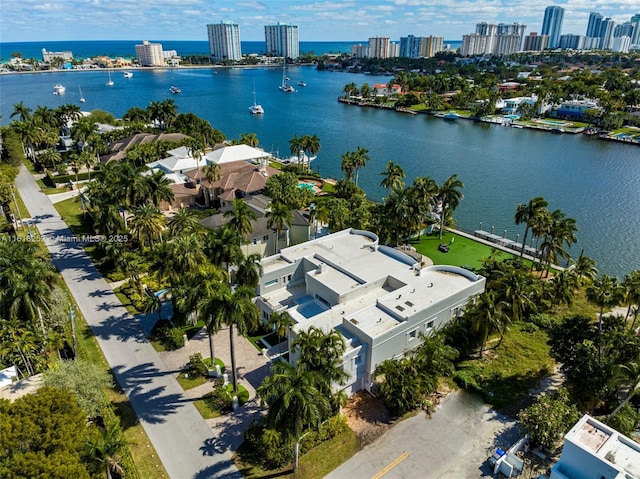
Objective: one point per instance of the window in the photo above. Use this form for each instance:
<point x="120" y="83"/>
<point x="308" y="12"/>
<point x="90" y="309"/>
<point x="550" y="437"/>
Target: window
<point x="255" y="240"/>
<point x="265" y="238"/>
<point x="271" y="283"/>
<point x="289" y="277"/>
<point x="265" y="316"/>
<point x="413" y="334"/>
<point x="357" y="360"/>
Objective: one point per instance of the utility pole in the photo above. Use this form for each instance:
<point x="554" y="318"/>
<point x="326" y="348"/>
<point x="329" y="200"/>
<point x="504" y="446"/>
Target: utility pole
<point x="72" y="316"/>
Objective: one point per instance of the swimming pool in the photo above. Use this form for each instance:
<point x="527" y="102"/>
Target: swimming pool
<point x="512" y="117"/>
<point x="308" y="186"/>
<point x="553" y="122"/>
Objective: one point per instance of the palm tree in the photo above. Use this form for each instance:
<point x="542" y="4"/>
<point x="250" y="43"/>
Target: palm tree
<point x="631" y="285"/>
<point x="347" y="165"/>
<point x="179" y="257"/>
<point x="604" y="292"/>
<point x="526" y="214"/>
<point x="223" y="247"/>
<point x="158" y="187"/>
<point x="249" y="270"/>
<point x="279" y="217"/>
<point x="360" y="159"/>
<point x="185" y="222"/>
<point x="449" y="196"/>
<point x="146" y="224"/>
<point x="212" y="174"/>
<point x="487" y="318"/>
<point x="311" y="147"/>
<point x="393" y="177"/>
<point x="239" y="311"/>
<point x="296" y="145"/>
<point x="22" y="111"/>
<point x="250" y="139"/>
<point x="295" y="402"/>
<point x="199" y="292"/>
<point x="136" y="115"/>
<point x="322" y="352"/>
<point x="105" y="447"/>
<point x="584" y="269"/>
<point x="242" y="217"/>
<point x="196" y="150"/>
<point x="50" y="156"/>
<point x="280" y="322"/>
<point x="399" y="383"/>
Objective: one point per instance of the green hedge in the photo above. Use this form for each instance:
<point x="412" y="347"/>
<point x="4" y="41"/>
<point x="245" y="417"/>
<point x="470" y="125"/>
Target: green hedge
<point x="59" y="179"/>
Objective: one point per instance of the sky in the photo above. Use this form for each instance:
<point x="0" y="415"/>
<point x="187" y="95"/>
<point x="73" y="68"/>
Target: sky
<point x="332" y="20"/>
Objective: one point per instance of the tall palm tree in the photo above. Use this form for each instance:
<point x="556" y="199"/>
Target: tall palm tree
<point x="179" y="257"/>
<point x="240" y="311"/>
<point x="158" y="188"/>
<point x="347" y="165"/>
<point x="526" y="214"/>
<point x="250" y="139"/>
<point x="393" y="177"/>
<point x="631" y="285"/>
<point x="280" y="322"/>
<point x="279" y="217"/>
<point x="360" y="159"/>
<point x="449" y="196"/>
<point x="605" y="292"/>
<point x="296" y="145"/>
<point x="212" y="174"/>
<point x="22" y="111"/>
<point x="322" y="352"/>
<point x="584" y="269"/>
<point x="223" y="247"/>
<point x="146" y="225"/>
<point x="295" y="402"/>
<point x="311" y="147"/>
<point x="424" y="193"/>
<point x="196" y="150"/>
<point x="50" y="156"/>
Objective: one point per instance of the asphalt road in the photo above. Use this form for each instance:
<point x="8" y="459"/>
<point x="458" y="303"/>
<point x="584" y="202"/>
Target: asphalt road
<point x="454" y="443"/>
<point x="181" y="437"/>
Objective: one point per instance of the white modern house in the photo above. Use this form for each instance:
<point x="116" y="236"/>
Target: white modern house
<point x="377" y="297"/>
<point x="593" y="450"/>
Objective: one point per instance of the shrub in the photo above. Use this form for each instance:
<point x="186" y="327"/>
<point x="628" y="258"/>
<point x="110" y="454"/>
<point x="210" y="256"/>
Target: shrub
<point x="175" y="339"/>
<point x="220" y="398"/>
<point x="266" y="447"/>
<point x="197" y="365"/>
<point x="170" y="337"/>
<point x="543" y="321"/>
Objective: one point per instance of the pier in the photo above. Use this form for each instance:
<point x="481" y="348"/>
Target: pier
<point x="505" y="242"/>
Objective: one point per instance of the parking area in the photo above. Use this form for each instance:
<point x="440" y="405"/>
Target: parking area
<point x="455" y="443"/>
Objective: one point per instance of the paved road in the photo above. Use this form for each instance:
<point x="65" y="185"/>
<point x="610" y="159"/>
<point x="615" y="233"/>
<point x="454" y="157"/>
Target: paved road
<point x="182" y="439"/>
<point x="454" y="444"/>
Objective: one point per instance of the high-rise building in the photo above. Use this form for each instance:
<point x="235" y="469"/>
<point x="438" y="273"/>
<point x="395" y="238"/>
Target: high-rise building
<point x="606" y="34"/>
<point x="150" y="54"/>
<point x="420" y="47"/>
<point x="552" y="25"/>
<point x="621" y="44"/>
<point x="224" y="41"/>
<point x="379" y="47"/>
<point x="635" y="21"/>
<point x="535" y="43"/>
<point x="593" y="27"/>
<point x="282" y="40"/>
<point x="494" y="39"/>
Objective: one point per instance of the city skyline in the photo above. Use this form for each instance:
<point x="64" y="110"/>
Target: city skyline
<point x="351" y="20"/>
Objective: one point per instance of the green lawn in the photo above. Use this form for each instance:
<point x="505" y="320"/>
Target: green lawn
<point x="71" y="212"/>
<point x="209" y="413"/>
<point x="463" y="251"/>
<point x="315" y="464"/>
<point x="508" y="370"/>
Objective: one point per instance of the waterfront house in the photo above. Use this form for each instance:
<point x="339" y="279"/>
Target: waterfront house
<point x="593" y="449"/>
<point x="575" y="109"/>
<point x="118" y="149"/>
<point x="384" y="89"/>
<point x="379" y="298"/>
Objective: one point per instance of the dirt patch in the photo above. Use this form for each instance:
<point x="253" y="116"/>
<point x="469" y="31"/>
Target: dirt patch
<point x="367" y="417"/>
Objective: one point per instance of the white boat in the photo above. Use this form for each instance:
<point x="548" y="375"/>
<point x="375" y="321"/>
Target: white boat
<point x="300" y="157"/>
<point x="255" y="109"/>
<point x="58" y="89"/>
<point x="110" y="82"/>
<point x="286" y="87"/>
<point x="82" y="100"/>
<point x="128" y="74"/>
<point x="301" y="83"/>
<point x="175" y="90"/>
<point x="451" y="116"/>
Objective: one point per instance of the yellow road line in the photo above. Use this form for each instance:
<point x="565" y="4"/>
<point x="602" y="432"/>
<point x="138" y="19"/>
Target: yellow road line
<point x="397" y="461"/>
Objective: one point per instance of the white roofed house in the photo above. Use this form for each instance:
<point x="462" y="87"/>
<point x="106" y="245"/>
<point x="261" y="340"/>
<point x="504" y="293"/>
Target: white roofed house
<point x="377" y="297"/>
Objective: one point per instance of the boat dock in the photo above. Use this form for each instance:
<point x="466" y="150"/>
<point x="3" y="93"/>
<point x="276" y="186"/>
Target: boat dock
<point x="505" y="242"/>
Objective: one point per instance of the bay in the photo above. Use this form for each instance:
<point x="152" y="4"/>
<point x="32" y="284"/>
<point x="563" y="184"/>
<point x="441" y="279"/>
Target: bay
<point x="594" y="181"/>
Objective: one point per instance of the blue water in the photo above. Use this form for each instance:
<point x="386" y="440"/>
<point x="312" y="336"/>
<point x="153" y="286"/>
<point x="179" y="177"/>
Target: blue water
<point x="596" y="182"/>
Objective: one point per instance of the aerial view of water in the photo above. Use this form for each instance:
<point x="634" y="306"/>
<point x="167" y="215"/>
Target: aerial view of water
<point x="594" y="181"/>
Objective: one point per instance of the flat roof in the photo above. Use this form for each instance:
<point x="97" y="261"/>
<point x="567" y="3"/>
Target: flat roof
<point x="607" y="444"/>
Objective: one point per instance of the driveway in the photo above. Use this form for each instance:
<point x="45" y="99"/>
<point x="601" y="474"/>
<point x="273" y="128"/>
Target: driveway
<point x="184" y="442"/>
<point x="455" y="443"/>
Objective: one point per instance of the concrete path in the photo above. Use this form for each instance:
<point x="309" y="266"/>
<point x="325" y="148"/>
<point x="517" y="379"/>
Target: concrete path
<point x="455" y="443"/>
<point x="58" y="197"/>
<point x="182" y="439"/>
<point x="252" y="367"/>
